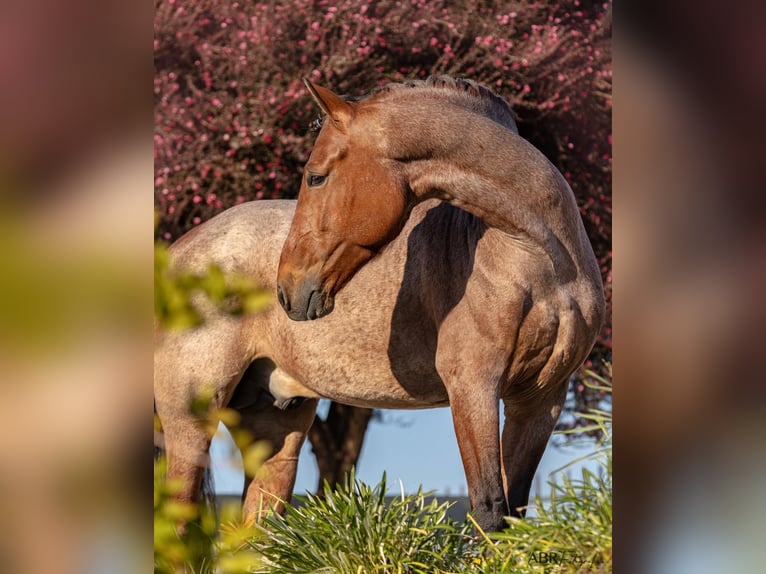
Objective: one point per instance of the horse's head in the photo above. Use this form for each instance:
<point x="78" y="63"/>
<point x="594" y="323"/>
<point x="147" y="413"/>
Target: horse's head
<point x="352" y="202"/>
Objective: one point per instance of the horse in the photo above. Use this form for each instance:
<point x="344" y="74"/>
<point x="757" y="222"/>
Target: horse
<point x="434" y="258"/>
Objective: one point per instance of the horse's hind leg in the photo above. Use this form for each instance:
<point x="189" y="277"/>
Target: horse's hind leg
<point x="526" y="431"/>
<point x="203" y="365"/>
<point x="284" y="431"/>
<point x="186" y="446"/>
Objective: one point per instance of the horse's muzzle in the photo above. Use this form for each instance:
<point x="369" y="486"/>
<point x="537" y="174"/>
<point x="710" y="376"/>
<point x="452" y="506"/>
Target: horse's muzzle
<point x="305" y="302"/>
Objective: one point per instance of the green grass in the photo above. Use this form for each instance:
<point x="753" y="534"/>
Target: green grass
<point x="352" y="529"/>
<point x="572" y="532"/>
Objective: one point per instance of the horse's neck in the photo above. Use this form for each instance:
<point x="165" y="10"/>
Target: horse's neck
<point x="485" y="169"/>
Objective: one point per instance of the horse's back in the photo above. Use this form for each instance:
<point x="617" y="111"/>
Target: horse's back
<point x="246" y="239"/>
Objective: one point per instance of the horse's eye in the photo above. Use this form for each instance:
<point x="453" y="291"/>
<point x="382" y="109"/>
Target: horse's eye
<point x="314" y="180"/>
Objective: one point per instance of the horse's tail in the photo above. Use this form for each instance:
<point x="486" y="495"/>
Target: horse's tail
<point x="207" y="486"/>
<point x="207" y="491"/>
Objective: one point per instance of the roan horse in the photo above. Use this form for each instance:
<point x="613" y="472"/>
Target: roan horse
<point x="434" y="257"/>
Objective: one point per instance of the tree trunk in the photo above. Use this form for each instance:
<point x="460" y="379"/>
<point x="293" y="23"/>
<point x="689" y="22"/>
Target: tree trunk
<point x="337" y="441"/>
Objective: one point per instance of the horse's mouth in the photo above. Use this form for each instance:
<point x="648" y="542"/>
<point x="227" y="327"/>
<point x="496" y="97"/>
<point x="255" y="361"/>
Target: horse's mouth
<point x="320" y="304"/>
<point x="307" y="304"/>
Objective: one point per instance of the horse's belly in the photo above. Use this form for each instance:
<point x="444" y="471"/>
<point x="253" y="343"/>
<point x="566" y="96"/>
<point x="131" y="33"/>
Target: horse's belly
<point x="324" y="362"/>
<point x="356" y="356"/>
<point x="368" y="381"/>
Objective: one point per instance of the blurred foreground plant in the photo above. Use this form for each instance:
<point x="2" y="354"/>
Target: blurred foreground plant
<point x="211" y="544"/>
<point x="175" y="290"/>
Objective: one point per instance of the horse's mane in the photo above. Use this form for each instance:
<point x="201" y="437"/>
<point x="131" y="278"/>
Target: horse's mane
<point x="461" y="91"/>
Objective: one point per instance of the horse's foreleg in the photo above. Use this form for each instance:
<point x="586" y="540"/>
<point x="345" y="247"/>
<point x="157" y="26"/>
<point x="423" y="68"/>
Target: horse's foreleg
<point x="284" y="431"/>
<point x="526" y="432"/>
<point x="475" y="417"/>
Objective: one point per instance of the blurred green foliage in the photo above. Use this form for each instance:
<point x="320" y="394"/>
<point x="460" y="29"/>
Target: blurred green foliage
<point x="53" y="296"/>
<point x="175" y="291"/>
<point x="213" y="542"/>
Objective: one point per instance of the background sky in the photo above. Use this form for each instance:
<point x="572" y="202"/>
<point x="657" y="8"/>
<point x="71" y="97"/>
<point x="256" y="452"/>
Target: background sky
<point x="415" y="447"/>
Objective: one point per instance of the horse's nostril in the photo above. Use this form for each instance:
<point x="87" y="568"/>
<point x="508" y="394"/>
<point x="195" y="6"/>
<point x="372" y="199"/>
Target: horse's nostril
<point x="281" y="298"/>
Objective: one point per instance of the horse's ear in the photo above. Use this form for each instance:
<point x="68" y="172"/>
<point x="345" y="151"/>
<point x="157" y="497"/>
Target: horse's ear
<point x="336" y="108"/>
